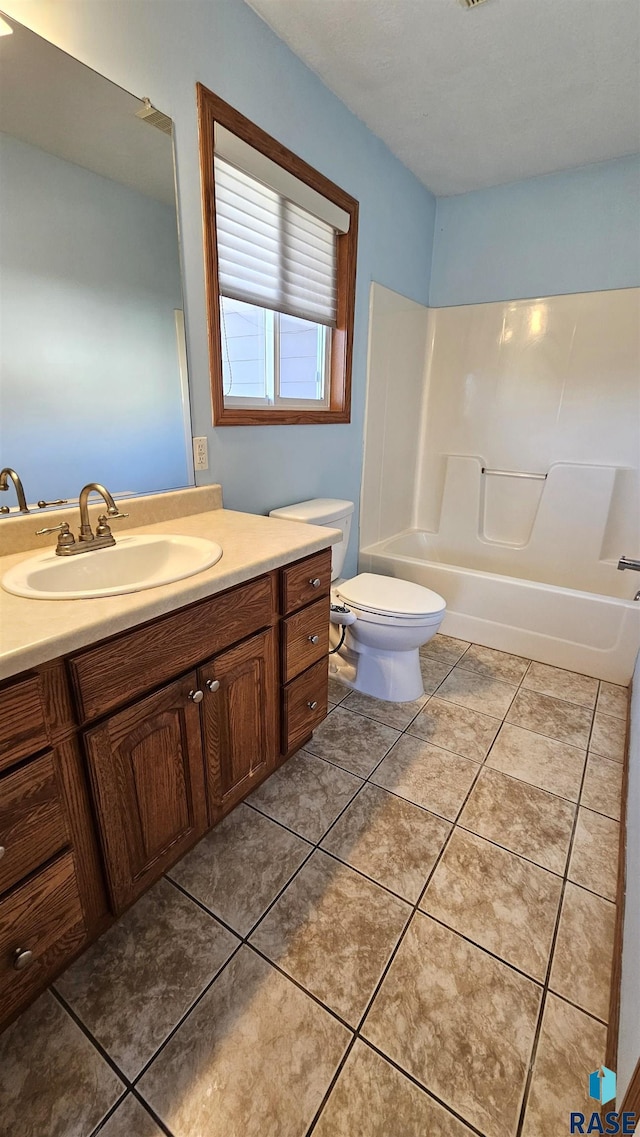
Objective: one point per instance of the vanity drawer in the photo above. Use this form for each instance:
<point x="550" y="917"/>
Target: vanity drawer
<point x="304" y="705"/>
<point x="305" y="638"/>
<point x="43" y="917"/>
<point x="33" y="822"/>
<point x="118" y="671"/>
<point x="23" y="727"/>
<point x="299" y="581"/>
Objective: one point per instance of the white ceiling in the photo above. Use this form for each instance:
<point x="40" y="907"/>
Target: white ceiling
<point x="468" y="98"/>
<point x="53" y="101"/>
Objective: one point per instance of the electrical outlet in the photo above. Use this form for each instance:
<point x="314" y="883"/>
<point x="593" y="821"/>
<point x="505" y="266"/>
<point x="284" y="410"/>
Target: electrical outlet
<point x="200" y="454"/>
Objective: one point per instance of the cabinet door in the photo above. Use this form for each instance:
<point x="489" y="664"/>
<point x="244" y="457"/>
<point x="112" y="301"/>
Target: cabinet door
<point x="147" y="770"/>
<point x="241" y="719"/>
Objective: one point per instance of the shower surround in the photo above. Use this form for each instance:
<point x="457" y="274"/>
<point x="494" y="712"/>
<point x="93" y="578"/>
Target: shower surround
<point x="462" y="402"/>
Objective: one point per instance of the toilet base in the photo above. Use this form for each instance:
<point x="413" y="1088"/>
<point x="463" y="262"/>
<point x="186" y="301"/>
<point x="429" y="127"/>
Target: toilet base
<point x="394" y="676"/>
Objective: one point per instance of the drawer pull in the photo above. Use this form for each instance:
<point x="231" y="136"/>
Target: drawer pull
<point x="22" y="957"/>
<point x="196" y="696"/>
<point x="212" y="685"/>
<point x="2" y="851"/>
<point x="315" y="582"/>
<point x="312" y="704"/>
<point x="313" y="639"/>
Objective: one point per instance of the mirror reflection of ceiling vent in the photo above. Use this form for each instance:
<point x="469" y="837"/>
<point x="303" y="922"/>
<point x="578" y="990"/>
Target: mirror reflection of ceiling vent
<point x="152" y="117"/>
<point x="471" y="3"/>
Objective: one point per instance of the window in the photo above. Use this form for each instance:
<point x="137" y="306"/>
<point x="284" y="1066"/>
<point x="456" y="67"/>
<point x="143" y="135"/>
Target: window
<point x="280" y="244"/>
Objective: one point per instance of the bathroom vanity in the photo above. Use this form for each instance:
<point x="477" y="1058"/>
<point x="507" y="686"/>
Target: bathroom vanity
<point x="117" y="756"/>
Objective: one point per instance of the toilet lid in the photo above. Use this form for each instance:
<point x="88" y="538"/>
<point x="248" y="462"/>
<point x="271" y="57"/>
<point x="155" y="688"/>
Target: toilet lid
<point x="382" y="594"/>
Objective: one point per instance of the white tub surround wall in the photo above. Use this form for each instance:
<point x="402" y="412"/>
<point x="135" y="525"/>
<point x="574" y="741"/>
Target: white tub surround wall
<point x="548" y="387"/>
<point x="398" y="331"/>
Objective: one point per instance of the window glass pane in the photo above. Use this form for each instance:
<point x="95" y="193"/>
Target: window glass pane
<point x="301" y="359"/>
<point x="243" y="349"/>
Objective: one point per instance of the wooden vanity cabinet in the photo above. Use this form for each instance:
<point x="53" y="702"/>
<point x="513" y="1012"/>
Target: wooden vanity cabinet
<point x="240" y="715"/>
<point x="146" y="769"/>
<point x="116" y="760"/>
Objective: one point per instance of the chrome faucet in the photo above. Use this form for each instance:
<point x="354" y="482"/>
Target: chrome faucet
<point x="87" y="540"/>
<point x="628" y="563"/>
<point x="4" y="485"/>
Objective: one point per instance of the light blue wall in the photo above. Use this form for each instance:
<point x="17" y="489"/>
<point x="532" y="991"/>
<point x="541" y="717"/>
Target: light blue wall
<point x="89" y="377"/>
<point x="577" y="231"/>
<point x="161" y="50"/>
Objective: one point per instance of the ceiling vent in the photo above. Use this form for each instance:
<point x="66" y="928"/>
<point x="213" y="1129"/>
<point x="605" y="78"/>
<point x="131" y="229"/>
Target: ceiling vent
<point x="471" y="3"/>
<point x="152" y="117"/>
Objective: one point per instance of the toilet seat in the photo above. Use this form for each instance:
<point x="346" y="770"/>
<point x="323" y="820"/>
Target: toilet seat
<point x="386" y="598"/>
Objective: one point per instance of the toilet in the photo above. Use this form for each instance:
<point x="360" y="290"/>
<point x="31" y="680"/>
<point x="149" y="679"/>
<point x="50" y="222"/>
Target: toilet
<point x="375" y="644"/>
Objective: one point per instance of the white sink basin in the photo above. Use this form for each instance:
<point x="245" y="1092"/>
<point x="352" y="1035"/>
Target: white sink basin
<point x="133" y="564"/>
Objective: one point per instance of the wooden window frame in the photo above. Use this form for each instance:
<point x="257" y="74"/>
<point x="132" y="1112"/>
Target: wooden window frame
<point x="212" y="109"/>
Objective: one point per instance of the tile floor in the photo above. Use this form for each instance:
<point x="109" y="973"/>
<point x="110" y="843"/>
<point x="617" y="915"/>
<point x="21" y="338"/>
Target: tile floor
<point x="406" y="931"/>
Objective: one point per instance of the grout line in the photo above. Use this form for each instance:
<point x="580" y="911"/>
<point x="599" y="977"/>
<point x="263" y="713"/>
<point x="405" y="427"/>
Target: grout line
<point x="554" y="940"/>
<point x="109" y="1114"/>
<point x="130" y="1086"/>
<point x="164" y="1128"/>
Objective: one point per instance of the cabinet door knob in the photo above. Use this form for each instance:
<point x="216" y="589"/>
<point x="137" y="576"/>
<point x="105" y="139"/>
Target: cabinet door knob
<point x="313" y="639"/>
<point x="212" y="685"/>
<point x="312" y="704"/>
<point x="196" y="696"/>
<point x="22" y="957"/>
<point x="315" y="582"/>
<point x="2" y="851"/>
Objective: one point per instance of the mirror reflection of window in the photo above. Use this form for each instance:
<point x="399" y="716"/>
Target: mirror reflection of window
<point x="92" y="355"/>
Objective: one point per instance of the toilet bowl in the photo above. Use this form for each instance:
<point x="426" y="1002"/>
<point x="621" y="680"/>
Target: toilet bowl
<point x="376" y="653"/>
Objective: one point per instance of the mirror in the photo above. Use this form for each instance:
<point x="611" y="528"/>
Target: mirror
<point x="93" y="377"/>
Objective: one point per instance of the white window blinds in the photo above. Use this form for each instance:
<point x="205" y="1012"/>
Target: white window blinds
<point x="271" y="251"/>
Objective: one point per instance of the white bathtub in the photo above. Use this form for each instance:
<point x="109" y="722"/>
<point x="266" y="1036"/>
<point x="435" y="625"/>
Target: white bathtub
<point x="580" y="631"/>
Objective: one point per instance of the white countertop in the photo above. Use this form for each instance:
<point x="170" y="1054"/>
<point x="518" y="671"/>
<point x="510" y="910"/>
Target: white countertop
<point x="35" y="631"/>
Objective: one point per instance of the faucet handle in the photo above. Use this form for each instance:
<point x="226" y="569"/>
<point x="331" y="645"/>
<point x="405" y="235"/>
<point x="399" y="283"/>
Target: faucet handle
<point x="65" y="536"/>
<point x="104" y="520"/>
<point x="63" y="527"/>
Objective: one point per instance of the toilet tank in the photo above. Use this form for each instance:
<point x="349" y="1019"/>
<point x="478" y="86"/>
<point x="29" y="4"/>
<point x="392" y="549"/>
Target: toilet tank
<point x="330" y="511"/>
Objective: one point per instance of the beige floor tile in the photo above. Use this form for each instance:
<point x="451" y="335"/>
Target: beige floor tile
<point x="445" y="648"/>
<point x="53" y="1082"/>
<point x="397" y="715"/>
<point x="306" y="794"/>
<point x="520" y="817"/>
<point x="373" y="1099"/>
<point x="569" y="685"/>
<point x="240" y="866"/>
<point x="388" y="839"/>
<point x="494" y="664"/>
<point x="478" y="692"/>
<point x="500" y="901"/>
<point x="459" y="1021"/>
<point x="602" y="789"/>
<point x="608" y="736"/>
<point x="613" y="700"/>
<point x="131" y="1120"/>
<point x="570" y="1046"/>
<point x="456" y="728"/>
<point x="333" y="931"/>
<point x="434" y="672"/>
<point x="541" y="761"/>
<point x="255" y="1057"/>
<point x="594" y="856"/>
<point x="352" y="741"/>
<point x="337" y="691"/>
<point x="556" y="718"/>
<point x="581" y="969"/>
<point x="133" y="985"/>
<point x="433" y="778"/>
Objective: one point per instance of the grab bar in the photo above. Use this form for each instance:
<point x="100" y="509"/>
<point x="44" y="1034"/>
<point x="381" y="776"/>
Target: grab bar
<point x="513" y="474"/>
